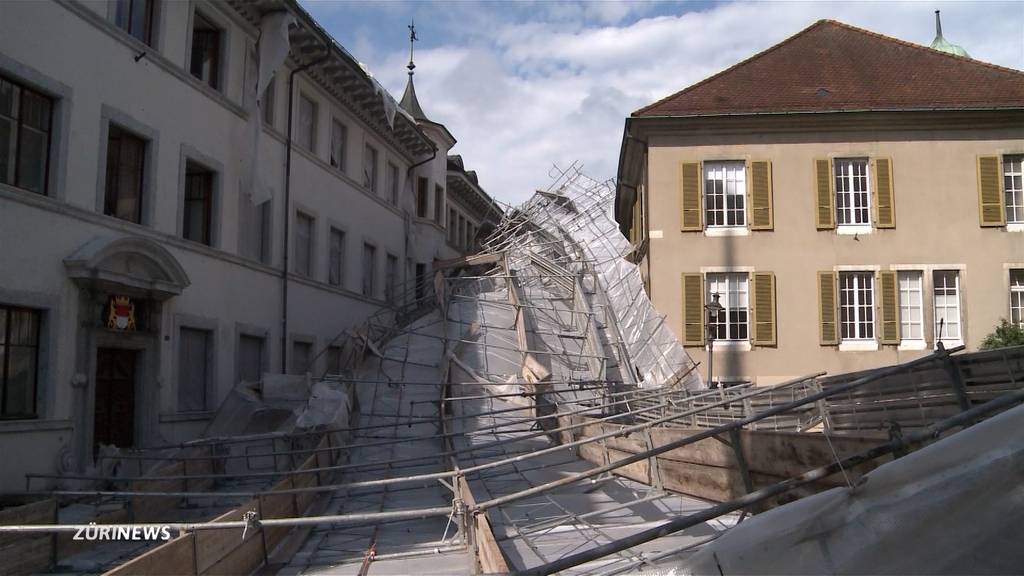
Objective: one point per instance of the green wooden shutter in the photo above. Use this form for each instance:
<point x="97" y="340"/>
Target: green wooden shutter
<point x="889" y="313"/>
<point x="824" y="197"/>
<point x="991" y="209"/>
<point x="689" y="197"/>
<point x="828" y="332"/>
<point x="885" y="199"/>
<point x="764" y="308"/>
<point x="761" y="217"/>
<point x="693" y="310"/>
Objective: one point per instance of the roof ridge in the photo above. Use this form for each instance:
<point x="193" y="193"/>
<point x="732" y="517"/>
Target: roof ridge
<point x="733" y="67"/>
<point x="922" y="47"/>
<point x="818" y="24"/>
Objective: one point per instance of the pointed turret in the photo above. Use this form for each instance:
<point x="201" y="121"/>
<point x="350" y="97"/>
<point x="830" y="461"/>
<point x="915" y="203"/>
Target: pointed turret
<point x="409" y="101"/>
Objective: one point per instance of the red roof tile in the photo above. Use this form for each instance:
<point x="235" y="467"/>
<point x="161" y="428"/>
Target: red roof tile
<point x="832" y="66"/>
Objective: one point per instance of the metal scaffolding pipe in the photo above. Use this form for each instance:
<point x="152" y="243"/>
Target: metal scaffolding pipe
<point x="930" y="433"/>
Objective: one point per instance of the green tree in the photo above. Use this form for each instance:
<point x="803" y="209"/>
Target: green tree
<point x="1006" y="334"/>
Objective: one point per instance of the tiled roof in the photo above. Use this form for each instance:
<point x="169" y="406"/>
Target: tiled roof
<point x="832" y="66"/>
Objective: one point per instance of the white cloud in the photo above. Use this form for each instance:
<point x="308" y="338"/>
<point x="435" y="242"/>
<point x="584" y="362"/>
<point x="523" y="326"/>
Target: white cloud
<point x="547" y="89"/>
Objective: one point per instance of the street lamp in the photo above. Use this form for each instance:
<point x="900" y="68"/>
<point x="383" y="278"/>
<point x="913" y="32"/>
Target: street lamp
<point x="713" y="308"/>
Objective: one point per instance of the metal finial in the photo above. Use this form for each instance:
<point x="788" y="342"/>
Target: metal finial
<point x="938" y="25"/>
<point x="412" y="38"/>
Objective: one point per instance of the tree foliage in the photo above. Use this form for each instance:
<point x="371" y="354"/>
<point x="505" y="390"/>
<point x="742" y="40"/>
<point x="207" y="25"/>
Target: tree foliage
<point x="1006" y="334"/>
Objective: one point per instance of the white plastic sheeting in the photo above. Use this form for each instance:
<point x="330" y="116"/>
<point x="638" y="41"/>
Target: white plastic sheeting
<point x="950" y="508"/>
<point x="585" y="221"/>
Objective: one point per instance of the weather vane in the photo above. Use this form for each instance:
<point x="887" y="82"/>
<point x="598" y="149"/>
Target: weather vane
<point x="412" y="38"/>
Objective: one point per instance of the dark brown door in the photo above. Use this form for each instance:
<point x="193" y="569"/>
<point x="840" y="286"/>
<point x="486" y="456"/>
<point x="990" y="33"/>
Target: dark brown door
<point x="115" y="398"/>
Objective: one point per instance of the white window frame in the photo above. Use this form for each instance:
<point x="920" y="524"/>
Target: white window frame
<point x="725" y="179"/>
<point x="1013" y="190"/>
<point x="905" y="282"/>
<point x="852" y="218"/>
<point x="945" y="309"/>
<point x="863" y="330"/>
<point x="1017" y="296"/>
<point x="733" y="289"/>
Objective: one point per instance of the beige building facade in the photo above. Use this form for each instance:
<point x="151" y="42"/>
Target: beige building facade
<point x="835" y="240"/>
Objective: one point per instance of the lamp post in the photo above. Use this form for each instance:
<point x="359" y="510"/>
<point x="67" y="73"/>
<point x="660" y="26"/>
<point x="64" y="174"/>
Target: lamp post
<point x="713" y="308"/>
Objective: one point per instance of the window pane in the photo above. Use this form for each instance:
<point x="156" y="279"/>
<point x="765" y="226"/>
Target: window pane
<point x="198" y="203"/>
<point x="250" y="358"/>
<point x="725" y="193"/>
<point x="193" y="360"/>
<point x="301" y="352"/>
<point x="205" y="60"/>
<point x="21" y="380"/>
<point x="8" y="149"/>
<point x="307" y="123"/>
<point x="339" y="134"/>
<point x="369" y="269"/>
<point x="1013" y="186"/>
<point x="125" y="157"/>
<point x="336" y="257"/>
<point x="32" y="159"/>
<point x="304" y="245"/>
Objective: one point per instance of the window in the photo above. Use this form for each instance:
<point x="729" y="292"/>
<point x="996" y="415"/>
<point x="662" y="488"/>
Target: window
<point x="732" y="288"/>
<point x="452" y="225"/>
<point x="421" y="197"/>
<point x="267" y="105"/>
<point x="336" y="258"/>
<point x="194" y="357"/>
<point x="303" y="244"/>
<point x="438" y="204"/>
<point x="853" y="205"/>
<point x="205" y="61"/>
<point x="421" y="281"/>
<point x="370" y="168"/>
<point x="125" y="165"/>
<point x="369" y="268"/>
<point x="339" y="137"/>
<point x="462" y="231"/>
<point x="135" y="17"/>
<point x="391" y="279"/>
<point x="947" y="305"/>
<point x="1017" y="297"/>
<point x="334" y="360"/>
<point x="392" y="183"/>
<point x="250" y="358"/>
<point x="198" y="217"/>
<point x="19" y="361"/>
<point x="725" y="193"/>
<point x="1013" y="187"/>
<point x="301" y="353"/>
<point x="911" y="308"/>
<point x="307" y="123"/>
<point x="25" y="119"/>
<point x="857" y="305"/>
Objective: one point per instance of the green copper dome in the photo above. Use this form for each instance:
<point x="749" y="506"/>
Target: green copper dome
<point x="943" y="45"/>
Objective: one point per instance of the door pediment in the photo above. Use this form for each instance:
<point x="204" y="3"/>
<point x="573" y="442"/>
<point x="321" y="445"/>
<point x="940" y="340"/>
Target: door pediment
<point x="129" y="265"/>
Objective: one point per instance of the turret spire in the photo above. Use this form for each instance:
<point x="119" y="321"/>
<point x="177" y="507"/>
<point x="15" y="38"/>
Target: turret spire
<point x="413" y="38"/>
<point x="409" y="102"/>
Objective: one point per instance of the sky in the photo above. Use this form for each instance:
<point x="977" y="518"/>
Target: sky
<point x="525" y="86"/>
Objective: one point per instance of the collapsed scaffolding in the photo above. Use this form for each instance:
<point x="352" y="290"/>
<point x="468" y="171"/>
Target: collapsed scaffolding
<point x="528" y="411"/>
